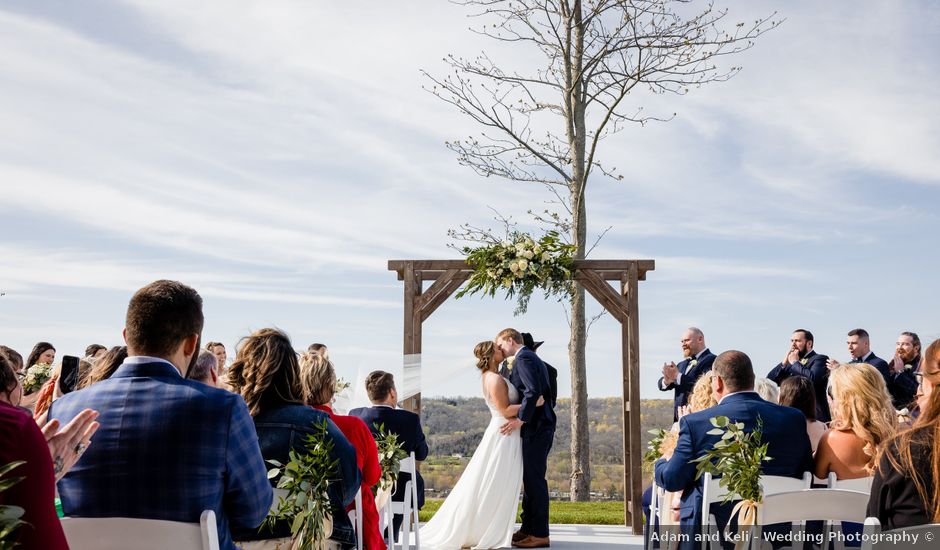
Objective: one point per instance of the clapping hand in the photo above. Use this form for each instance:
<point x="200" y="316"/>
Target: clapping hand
<point x="832" y="363"/>
<point x="67" y="445"/>
<point x="684" y="410"/>
<point x="897" y="365"/>
<point x="670" y="372"/>
<point x="792" y="357"/>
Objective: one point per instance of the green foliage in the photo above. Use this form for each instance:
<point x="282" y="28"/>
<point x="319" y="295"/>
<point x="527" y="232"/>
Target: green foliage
<point x="652" y="448"/>
<point x="305" y="477"/>
<point x="737" y="458"/>
<point x="9" y="515"/>
<point x="582" y="513"/>
<point x="391" y="454"/>
<point x="518" y="266"/>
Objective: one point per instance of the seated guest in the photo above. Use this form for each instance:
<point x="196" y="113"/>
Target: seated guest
<point x="783" y="432"/>
<point x="48" y="454"/>
<point x="204" y="369"/>
<point x="703" y="396"/>
<point x="904" y="491"/>
<point x="767" y="390"/>
<point x="168" y="448"/>
<point x="15" y="359"/>
<point x="217" y="349"/>
<point x="318" y="379"/>
<point x="798" y="392"/>
<point x="105" y="366"/>
<point x="320" y="349"/>
<point x="266" y="374"/>
<point x="802" y="360"/>
<point x="94" y="351"/>
<point x="380" y="386"/>
<point x="862" y="418"/>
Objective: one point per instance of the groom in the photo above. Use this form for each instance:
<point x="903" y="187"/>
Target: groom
<point x="530" y="377"/>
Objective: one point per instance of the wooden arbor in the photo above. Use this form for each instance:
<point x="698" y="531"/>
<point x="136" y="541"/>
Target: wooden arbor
<point x="446" y="276"/>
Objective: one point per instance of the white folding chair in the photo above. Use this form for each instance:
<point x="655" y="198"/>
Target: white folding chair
<point x="653" y="517"/>
<point x="408" y="508"/>
<point x="922" y="533"/>
<point x="355" y="516"/>
<point x="141" y="534"/>
<point x="832" y="506"/>
<point x="713" y="493"/>
<point x="862" y="484"/>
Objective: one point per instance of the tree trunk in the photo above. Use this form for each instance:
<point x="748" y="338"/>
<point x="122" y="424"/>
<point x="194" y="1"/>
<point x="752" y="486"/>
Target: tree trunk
<point x="580" y="438"/>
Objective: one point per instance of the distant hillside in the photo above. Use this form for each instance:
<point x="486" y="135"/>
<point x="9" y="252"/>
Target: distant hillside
<point x="454" y="427"/>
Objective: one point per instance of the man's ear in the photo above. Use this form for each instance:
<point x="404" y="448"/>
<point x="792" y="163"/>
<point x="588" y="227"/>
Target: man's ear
<point x="190" y="344"/>
<point x="124" y="335"/>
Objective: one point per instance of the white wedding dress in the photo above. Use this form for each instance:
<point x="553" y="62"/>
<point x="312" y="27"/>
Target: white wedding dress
<point x="481" y="510"/>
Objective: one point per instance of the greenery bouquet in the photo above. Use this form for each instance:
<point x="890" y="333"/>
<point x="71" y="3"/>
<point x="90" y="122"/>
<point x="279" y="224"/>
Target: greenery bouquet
<point x="390" y="456"/>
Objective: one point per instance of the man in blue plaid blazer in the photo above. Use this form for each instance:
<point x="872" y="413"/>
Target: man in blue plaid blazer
<point x="168" y="448"/>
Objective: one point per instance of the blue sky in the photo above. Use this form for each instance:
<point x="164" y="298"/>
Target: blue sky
<point x="275" y="155"/>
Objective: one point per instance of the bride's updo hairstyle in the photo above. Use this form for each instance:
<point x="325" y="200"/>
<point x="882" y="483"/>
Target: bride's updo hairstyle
<point x="484" y="351"/>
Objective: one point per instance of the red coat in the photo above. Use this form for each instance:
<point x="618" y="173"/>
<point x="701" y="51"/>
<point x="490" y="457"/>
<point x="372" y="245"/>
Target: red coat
<point x="367" y="457"/>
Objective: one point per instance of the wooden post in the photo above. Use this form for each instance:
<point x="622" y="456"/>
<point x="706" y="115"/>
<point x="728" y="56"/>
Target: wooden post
<point x="632" y="487"/>
<point x="412" y="344"/>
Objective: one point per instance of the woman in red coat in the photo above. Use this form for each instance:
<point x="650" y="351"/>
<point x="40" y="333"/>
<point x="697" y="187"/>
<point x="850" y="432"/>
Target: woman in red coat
<point x="319" y="383"/>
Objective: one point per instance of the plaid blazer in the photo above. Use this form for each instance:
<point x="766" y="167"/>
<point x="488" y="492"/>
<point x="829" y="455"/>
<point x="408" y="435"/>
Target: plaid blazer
<point x="168" y="448"/>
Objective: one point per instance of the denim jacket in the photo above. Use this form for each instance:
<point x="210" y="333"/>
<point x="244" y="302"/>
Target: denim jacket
<point x="284" y="428"/>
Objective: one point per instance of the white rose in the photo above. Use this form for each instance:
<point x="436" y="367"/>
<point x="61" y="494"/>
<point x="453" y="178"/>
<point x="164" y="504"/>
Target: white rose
<point x="523" y="264"/>
<point x="520" y="274"/>
<point x="528" y="254"/>
<point x="538" y="249"/>
<point x="514" y="267"/>
<point x="546" y="256"/>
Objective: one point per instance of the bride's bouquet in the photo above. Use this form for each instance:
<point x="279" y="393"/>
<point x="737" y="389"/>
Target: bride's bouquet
<point x="36" y="376"/>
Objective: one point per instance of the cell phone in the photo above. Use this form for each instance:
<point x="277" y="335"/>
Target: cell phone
<point x="68" y="378"/>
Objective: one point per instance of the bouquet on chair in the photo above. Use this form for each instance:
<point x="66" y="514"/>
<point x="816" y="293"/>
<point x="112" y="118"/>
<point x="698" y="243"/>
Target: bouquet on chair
<point x="736" y="458"/>
<point x="390" y="456"/>
<point x="306" y="477"/>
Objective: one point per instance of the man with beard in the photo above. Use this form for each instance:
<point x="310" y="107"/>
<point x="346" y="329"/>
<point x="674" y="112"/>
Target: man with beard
<point x="902" y="382"/>
<point x="802" y="360"/>
<point x="682" y="377"/>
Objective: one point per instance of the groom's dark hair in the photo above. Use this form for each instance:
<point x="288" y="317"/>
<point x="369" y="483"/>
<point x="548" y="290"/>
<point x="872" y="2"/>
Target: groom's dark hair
<point x="379" y="385"/>
<point x="510" y="333"/>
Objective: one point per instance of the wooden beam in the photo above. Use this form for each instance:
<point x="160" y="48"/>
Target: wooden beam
<point x="412" y="340"/>
<point x="631" y="396"/>
<point x="611" y="270"/>
<point x="612" y="301"/>
<point x="440" y="291"/>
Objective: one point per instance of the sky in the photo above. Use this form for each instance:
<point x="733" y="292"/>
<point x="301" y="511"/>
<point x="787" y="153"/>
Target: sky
<point x="275" y="155"/>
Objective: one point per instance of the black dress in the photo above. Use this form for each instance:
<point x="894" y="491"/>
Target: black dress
<point x="894" y="497"/>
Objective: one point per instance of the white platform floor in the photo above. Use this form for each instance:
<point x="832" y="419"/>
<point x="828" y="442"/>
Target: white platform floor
<point x="592" y="537"/>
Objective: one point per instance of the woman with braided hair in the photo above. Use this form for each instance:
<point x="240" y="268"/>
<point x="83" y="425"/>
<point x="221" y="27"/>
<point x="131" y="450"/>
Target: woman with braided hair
<point x="267" y="376"/>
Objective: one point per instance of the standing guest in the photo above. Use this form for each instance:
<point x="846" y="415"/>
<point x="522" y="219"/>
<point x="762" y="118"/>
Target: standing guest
<point x="168" y="447"/>
<point x="783" y="432"/>
<point x="105" y="366"/>
<point x="266" y="374"/>
<point x="802" y="360"/>
<point x="43" y="352"/>
<point x="218" y="350"/>
<point x="798" y="392"/>
<point x="902" y="381"/>
<point x="380" y="386"/>
<point x="320" y="349"/>
<point x="859" y="345"/>
<point x="204" y="369"/>
<point x="48" y="454"/>
<point x="682" y="377"/>
<point x="318" y="379"/>
<point x="904" y="491"/>
<point x="95" y="351"/>
<point x="862" y="418"/>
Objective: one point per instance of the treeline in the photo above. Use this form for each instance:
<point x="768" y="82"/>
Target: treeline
<point x="454" y="427"/>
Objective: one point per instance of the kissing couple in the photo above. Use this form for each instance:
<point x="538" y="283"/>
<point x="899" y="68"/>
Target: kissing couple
<point x="480" y="512"/>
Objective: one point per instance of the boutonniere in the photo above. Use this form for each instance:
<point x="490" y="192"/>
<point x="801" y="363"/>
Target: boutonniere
<point x="908" y="367"/>
<point x="804" y="361"/>
<point x="693" y="363"/>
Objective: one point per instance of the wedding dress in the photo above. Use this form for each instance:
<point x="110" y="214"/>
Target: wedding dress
<point x="481" y="510"/>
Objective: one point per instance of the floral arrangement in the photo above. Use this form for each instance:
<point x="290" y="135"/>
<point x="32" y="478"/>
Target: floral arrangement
<point x="390" y="456"/>
<point x="9" y="515"/>
<point x="36" y="376"/>
<point x="519" y="265"/>
<point x="653" y="448"/>
<point x="737" y="459"/>
<point x="306" y="477"/>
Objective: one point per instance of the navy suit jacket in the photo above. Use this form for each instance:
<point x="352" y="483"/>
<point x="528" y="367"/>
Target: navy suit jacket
<point x="784" y="430"/>
<point x="903" y="385"/>
<point x="408" y="427"/>
<point x="689" y="377"/>
<point x="168" y="448"/>
<point x="530" y="377"/>
<point x="816" y="370"/>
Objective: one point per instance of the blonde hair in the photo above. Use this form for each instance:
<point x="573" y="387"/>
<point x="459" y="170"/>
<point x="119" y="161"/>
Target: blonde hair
<point x="265" y="371"/>
<point x="484" y="351"/>
<point x="510" y="333"/>
<point x="702" y="396"/>
<point x="317" y="378"/>
<point x="861" y="404"/>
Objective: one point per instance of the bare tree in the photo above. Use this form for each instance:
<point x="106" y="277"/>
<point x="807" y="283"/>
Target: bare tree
<point x="544" y="125"/>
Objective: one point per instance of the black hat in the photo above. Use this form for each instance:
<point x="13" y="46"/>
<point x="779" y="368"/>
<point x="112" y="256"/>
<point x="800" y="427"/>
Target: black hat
<point x="530" y="342"/>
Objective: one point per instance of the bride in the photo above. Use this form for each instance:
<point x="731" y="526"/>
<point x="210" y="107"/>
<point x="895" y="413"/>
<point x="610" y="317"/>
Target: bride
<point x="481" y="510"/>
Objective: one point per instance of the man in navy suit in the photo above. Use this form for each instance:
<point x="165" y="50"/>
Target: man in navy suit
<point x="859" y="345"/>
<point x="905" y="365"/>
<point x="380" y="386"/>
<point x="168" y="448"/>
<point x="530" y="376"/>
<point x="802" y="360"/>
<point x="682" y="377"/>
<point x="784" y="430"/>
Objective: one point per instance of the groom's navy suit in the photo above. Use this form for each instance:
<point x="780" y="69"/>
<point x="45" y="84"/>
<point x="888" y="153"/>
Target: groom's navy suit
<point x="530" y="377"/>
<point x="784" y="432"/>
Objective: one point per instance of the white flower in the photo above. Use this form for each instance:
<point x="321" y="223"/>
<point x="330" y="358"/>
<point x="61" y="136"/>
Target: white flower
<point x="537" y="249"/>
<point x="520" y="274"/>
<point x="514" y="267"/>
<point x="546" y="256"/>
<point x="523" y="264"/>
<point x="528" y="254"/>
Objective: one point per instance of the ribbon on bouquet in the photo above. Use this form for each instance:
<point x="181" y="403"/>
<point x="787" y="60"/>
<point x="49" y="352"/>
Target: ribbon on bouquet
<point x="746" y="510"/>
